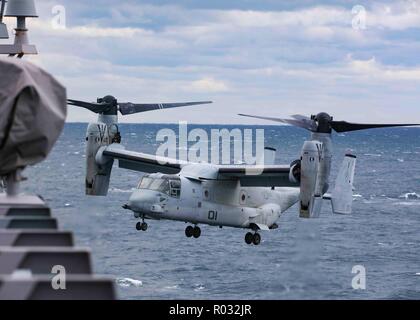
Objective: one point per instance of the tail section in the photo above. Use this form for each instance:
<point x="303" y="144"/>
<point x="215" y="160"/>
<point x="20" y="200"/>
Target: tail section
<point x="342" y="195"/>
<point x="313" y="182"/>
<point x="269" y="156"/>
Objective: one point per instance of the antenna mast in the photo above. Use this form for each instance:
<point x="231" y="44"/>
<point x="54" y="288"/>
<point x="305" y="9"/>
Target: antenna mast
<point x="21" y="9"/>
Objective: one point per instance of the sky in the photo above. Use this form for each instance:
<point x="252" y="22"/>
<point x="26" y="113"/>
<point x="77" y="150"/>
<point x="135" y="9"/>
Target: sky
<point x="359" y="61"/>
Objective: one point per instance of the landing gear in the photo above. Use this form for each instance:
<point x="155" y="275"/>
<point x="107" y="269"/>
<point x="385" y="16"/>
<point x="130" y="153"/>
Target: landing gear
<point x="191" y="231"/>
<point x="253" y="238"/>
<point x="249" y="237"/>
<point x="141" y="226"/>
<point x="196" y="232"/>
<point x="257" y="239"/>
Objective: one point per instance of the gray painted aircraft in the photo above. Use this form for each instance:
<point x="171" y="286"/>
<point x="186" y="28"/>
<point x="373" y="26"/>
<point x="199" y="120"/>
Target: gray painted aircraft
<point x="240" y="196"/>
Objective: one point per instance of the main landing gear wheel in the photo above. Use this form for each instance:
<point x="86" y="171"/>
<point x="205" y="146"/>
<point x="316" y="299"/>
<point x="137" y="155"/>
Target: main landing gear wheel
<point x="196" y="232"/>
<point x="249" y="237"/>
<point x="141" y="226"/>
<point x="253" y="238"/>
<point x="256" y="239"/>
<point x="189" y="231"/>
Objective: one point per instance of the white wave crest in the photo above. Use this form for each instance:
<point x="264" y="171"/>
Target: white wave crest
<point x="118" y="190"/>
<point x="408" y="204"/>
<point x="410" y="196"/>
<point x="199" y="287"/>
<point x="128" y="282"/>
<point x="172" y="287"/>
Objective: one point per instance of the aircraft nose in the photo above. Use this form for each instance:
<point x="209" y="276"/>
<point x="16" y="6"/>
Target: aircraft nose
<point x="143" y="200"/>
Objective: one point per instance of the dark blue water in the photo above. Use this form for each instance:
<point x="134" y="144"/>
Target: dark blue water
<point x="303" y="259"/>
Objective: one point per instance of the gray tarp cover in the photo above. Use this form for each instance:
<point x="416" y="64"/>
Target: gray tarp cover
<point x="32" y="113"/>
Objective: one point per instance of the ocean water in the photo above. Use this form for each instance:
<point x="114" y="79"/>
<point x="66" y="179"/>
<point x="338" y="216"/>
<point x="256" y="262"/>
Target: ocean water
<point x="302" y="259"/>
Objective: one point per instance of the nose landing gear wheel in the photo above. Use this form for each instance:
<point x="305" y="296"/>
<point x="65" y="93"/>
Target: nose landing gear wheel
<point x="196" y="232"/>
<point x="189" y="231"/>
<point x="249" y="237"/>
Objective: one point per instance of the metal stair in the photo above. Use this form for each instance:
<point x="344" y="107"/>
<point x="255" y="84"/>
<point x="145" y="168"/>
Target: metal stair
<point x="31" y="245"/>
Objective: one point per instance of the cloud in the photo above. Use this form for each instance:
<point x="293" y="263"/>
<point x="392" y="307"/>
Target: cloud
<point x="278" y="57"/>
<point x="372" y="69"/>
<point x="400" y="15"/>
<point x="209" y="85"/>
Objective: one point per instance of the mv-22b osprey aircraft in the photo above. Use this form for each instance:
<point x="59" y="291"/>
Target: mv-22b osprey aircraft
<point x="240" y="196"/>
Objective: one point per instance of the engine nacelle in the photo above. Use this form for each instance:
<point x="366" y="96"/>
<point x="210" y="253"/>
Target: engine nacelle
<point x="98" y="174"/>
<point x="309" y="162"/>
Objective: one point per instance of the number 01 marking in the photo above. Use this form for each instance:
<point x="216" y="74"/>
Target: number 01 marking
<point x="212" y="215"/>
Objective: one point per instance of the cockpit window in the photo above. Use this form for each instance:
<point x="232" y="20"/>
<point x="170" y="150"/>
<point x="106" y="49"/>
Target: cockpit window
<point x="175" y="184"/>
<point x="161" y="185"/>
<point x="165" y="185"/>
<point x="144" y="183"/>
<point x="175" y="188"/>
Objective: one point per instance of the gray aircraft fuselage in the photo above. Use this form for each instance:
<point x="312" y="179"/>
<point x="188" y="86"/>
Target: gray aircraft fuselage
<point x="218" y="203"/>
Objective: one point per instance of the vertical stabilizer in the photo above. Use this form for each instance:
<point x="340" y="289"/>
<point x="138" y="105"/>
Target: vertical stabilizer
<point x="342" y="195"/>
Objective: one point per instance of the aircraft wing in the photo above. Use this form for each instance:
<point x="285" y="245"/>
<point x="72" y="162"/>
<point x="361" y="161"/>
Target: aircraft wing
<point x="248" y="175"/>
<point x="258" y="176"/>
<point x="143" y="162"/>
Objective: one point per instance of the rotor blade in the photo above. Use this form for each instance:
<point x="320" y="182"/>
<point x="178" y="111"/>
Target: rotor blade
<point x="301" y="117"/>
<point x="301" y="123"/>
<point x="309" y="123"/>
<point x="343" y="126"/>
<point x="130" y="108"/>
<point x="263" y="118"/>
<point x="92" y="106"/>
